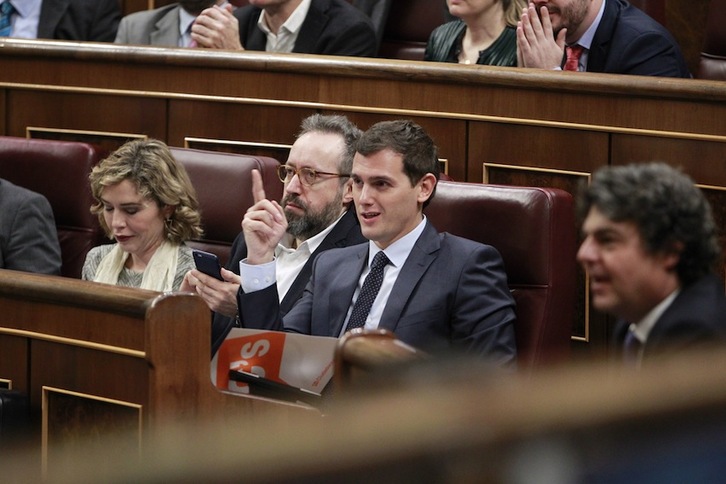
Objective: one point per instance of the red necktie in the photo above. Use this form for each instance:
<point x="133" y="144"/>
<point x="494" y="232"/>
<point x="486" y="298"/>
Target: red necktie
<point x="573" y="57"/>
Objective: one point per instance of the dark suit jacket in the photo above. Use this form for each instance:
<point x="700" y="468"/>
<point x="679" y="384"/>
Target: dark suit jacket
<point x="28" y="237"/>
<point x="451" y="294"/>
<point x="94" y="20"/>
<point x="151" y="27"/>
<point x="628" y="41"/>
<point x="332" y="27"/>
<point x="345" y="233"/>
<point x="696" y="316"/>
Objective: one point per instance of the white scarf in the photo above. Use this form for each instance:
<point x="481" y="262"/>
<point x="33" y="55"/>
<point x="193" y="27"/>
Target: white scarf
<point x="158" y="275"/>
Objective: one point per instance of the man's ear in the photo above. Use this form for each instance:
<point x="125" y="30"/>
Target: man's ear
<point x="426" y="184"/>
<point x="672" y="256"/>
<point x="348" y="192"/>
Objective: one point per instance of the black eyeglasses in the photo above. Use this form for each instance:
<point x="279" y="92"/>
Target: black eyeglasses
<point x="307" y="176"/>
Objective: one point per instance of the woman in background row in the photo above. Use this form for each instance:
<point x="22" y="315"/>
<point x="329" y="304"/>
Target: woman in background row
<point x="146" y="202"/>
<point x="485" y="34"/>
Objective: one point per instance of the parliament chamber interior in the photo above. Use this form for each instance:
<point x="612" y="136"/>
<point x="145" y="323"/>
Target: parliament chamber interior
<point x="115" y="382"/>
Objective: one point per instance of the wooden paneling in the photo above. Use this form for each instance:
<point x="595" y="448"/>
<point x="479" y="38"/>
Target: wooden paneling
<point x="234" y="121"/>
<point x="85" y="111"/>
<point x="529" y="126"/>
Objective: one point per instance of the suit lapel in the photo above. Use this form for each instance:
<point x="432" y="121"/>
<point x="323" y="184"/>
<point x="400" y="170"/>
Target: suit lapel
<point x="601" y="40"/>
<point x="314" y="23"/>
<point x="337" y="237"/>
<point x="424" y="252"/>
<point x="343" y="287"/>
<point x="50" y="14"/>
<point x="166" y="30"/>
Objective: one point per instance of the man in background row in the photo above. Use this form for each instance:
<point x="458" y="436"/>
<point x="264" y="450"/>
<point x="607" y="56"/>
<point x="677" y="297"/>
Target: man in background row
<point x="332" y="27"/>
<point x="608" y="36"/>
<point x="93" y="20"/>
<point x="319" y="215"/>
<point x="650" y="248"/>
<point x="168" y="26"/>
<point x="28" y="237"/>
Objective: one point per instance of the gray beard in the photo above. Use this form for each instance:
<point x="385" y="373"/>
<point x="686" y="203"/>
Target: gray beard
<point x="311" y="224"/>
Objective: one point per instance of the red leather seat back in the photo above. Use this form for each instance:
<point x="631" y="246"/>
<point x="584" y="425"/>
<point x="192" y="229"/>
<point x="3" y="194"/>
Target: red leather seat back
<point x="534" y="230"/>
<point x="713" y="56"/>
<point x="59" y="171"/>
<point x="408" y="27"/>
<point x="223" y="182"/>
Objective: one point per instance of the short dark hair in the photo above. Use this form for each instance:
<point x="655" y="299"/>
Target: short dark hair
<point x="335" y="124"/>
<point x="408" y="139"/>
<point x="666" y="207"/>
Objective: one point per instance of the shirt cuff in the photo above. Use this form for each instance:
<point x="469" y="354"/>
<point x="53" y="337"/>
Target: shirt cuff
<point x="256" y="277"/>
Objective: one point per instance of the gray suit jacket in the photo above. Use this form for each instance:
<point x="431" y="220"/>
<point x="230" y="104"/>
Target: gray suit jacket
<point x="151" y="27"/>
<point x="451" y="294"/>
<point x="28" y="237"/>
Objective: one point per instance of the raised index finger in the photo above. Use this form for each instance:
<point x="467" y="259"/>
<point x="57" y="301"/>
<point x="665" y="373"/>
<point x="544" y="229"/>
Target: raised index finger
<point x="258" y="190"/>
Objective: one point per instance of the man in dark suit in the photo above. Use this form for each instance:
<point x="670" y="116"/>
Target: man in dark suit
<point x="319" y="215"/>
<point x="28" y="237"/>
<point x="437" y="292"/>
<point x="169" y="25"/>
<point x="608" y="36"/>
<point x="332" y="27"/>
<point x="94" y="20"/>
<point x="650" y="246"/>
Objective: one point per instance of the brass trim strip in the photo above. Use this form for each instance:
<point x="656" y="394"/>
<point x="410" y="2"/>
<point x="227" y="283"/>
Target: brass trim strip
<point x="486" y="166"/>
<point x="377" y="110"/>
<point x="38" y="129"/>
<point x="192" y="139"/>
<point x="74" y="342"/>
<point x="710" y="187"/>
<point x="45" y="390"/>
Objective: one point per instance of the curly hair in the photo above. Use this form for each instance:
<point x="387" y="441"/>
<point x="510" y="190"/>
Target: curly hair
<point x="409" y="140"/>
<point x="149" y="164"/>
<point x="667" y="208"/>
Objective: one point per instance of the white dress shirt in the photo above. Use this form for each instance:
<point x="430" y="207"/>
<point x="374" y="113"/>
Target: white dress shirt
<point x="284" y="40"/>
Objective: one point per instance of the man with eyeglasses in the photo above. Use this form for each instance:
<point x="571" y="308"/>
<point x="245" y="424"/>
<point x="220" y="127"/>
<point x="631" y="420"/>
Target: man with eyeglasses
<point x="435" y="291"/>
<point x="318" y="214"/>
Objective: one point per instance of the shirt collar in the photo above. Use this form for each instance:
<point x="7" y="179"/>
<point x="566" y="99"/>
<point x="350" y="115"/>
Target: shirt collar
<point x="24" y="8"/>
<point x="312" y="243"/>
<point x="398" y="251"/>
<point x="293" y="22"/>
<point x="586" y="39"/>
<point x="642" y="328"/>
<point x="185" y="21"/>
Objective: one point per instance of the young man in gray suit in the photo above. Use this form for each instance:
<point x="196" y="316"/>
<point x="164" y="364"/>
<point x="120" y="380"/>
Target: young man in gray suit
<point x="436" y="292"/>
<point x="28" y="237"/>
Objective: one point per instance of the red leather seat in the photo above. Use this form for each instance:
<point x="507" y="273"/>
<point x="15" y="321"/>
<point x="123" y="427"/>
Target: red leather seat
<point x="408" y="27"/>
<point x="712" y="64"/>
<point x="59" y="171"/>
<point x="534" y="230"/>
<point x="223" y="182"/>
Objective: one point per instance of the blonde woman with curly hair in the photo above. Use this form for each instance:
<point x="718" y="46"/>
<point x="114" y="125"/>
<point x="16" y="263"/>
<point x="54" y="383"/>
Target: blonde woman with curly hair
<point x="147" y="204"/>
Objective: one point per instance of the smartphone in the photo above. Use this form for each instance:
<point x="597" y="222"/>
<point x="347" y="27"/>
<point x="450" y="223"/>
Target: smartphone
<point x="207" y="263"/>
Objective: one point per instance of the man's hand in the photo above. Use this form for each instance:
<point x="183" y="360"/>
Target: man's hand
<point x="220" y="296"/>
<point x="264" y="224"/>
<point x="536" y="42"/>
<point x="217" y="28"/>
